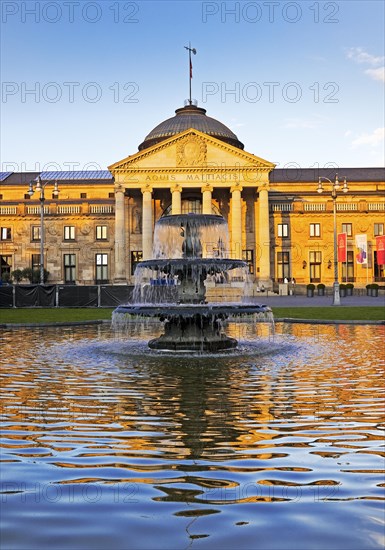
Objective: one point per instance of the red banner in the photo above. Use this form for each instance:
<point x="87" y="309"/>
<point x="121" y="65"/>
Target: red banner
<point x="380" y="244"/>
<point x="342" y="241"/>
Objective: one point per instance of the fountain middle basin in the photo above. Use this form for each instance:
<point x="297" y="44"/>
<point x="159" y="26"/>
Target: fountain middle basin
<point x="189" y="249"/>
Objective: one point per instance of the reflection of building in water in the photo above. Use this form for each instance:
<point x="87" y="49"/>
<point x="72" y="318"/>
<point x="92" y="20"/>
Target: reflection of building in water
<point x="104" y="220"/>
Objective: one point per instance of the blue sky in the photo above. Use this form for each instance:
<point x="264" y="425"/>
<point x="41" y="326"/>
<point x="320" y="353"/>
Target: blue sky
<point x="83" y="82"/>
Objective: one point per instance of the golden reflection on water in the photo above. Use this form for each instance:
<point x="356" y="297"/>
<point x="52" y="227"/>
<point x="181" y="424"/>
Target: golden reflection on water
<point x="293" y="416"/>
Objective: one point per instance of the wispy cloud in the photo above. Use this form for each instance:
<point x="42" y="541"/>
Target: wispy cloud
<point x="372" y="140"/>
<point x="377" y="74"/>
<point x="359" y="55"/>
<point x="299" y="122"/>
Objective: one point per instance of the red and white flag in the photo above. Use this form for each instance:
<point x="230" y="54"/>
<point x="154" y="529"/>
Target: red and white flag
<point x="342" y="239"/>
<point x="380" y="245"/>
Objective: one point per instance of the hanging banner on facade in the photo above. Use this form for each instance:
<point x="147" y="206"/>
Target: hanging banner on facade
<point x="342" y="240"/>
<point x="380" y="245"/>
<point x="362" y="252"/>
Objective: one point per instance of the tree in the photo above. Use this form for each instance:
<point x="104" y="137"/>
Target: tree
<point x="17" y="275"/>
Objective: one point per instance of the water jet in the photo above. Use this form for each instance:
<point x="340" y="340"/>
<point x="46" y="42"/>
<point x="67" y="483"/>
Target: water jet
<point x="190" y="257"/>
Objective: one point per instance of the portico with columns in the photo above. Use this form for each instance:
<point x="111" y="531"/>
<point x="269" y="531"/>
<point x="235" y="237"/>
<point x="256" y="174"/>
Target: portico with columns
<point x="197" y="172"/>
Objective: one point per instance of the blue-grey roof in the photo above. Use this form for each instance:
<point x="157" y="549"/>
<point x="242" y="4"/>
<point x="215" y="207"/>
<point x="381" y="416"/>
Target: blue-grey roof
<point x="77" y="175"/>
<point x="298" y="175"/>
<point x="5" y="175"/>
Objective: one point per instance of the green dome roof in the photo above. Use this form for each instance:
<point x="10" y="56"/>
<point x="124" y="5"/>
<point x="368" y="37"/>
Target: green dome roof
<point x="187" y="117"/>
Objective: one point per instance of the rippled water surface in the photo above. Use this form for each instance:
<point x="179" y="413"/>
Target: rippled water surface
<point x="107" y="445"/>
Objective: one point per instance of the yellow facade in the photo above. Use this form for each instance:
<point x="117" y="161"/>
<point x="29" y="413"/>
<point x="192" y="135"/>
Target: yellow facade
<point x="99" y="227"/>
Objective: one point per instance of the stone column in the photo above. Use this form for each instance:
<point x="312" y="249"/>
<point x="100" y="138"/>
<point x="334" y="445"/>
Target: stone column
<point x="176" y="204"/>
<point x="236" y="221"/>
<point x="264" y="233"/>
<point x="147" y="222"/>
<point x="206" y="199"/>
<point x="120" y="237"/>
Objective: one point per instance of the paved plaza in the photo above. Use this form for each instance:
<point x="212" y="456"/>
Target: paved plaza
<point x="274" y="300"/>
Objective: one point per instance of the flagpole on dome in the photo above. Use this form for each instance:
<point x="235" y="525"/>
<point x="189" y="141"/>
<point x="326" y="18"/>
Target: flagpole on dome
<point x="193" y="50"/>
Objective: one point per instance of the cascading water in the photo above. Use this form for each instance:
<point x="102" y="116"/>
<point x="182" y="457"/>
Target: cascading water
<point x="191" y="251"/>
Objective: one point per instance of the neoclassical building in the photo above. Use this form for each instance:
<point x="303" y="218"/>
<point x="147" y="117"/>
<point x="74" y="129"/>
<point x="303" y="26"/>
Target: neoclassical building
<point x="102" y="222"/>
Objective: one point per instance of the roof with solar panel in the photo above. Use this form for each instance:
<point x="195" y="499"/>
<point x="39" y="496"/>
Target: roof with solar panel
<point x="77" y="175"/>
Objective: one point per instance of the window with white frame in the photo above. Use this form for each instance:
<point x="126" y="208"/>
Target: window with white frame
<point x="35" y="233"/>
<point x="5" y="234"/>
<point x="69" y="261"/>
<point x="283" y="266"/>
<point x="69" y="232"/>
<point x="283" y="230"/>
<point x="315" y="258"/>
<point x="315" y="230"/>
<point x="348" y="229"/>
<point x="101" y="271"/>
<point x="378" y="229"/>
<point x="101" y="232"/>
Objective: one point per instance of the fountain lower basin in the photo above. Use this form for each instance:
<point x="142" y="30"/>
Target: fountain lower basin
<point x="193" y="327"/>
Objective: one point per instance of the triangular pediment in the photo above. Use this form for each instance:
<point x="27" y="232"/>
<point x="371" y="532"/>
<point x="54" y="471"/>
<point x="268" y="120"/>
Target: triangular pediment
<point x="190" y="150"/>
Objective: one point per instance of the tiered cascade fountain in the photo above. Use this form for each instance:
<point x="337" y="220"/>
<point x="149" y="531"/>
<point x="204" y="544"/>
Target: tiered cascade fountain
<point x="190" y="250"/>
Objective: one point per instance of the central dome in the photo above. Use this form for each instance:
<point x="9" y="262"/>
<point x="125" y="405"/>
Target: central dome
<point x="187" y="117"/>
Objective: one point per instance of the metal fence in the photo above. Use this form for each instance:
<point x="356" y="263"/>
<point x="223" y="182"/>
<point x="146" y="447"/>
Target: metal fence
<point x="64" y="295"/>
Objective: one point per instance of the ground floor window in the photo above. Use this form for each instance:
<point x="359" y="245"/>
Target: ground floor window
<point x="283" y="266"/>
<point x="379" y="270"/>
<point x="348" y="267"/>
<point x="101" y="271"/>
<point x="35" y="261"/>
<point x="248" y="256"/>
<point x="5" y="265"/>
<point x="136" y="256"/>
<point x="69" y="268"/>
<point x="315" y="259"/>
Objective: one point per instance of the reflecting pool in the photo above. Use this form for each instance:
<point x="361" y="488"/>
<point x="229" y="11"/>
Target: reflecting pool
<point x="108" y="445"/>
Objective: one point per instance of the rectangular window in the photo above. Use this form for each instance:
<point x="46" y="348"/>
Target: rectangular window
<point x="69" y="233"/>
<point x="5" y="234"/>
<point x="101" y="232"/>
<point x="379" y="270"/>
<point x="315" y="230"/>
<point x="315" y="259"/>
<point x="136" y="256"/>
<point x="5" y="265"/>
<point x="69" y="268"/>
<point x="347" y="228"/>
<point x="248" y="256"/>
<point x="283" y="230"/>
<point x="283" y="266"/>
<point x="35" y="261"/>
<point x="83" y="195"/>
<point x="348" y="268"/>
<point x="111" y="195"/>
<point x="35" y="233"/>
<point x="378" y="229"/>
<point x="101" y="261"/>
<point x="27" y="196"/>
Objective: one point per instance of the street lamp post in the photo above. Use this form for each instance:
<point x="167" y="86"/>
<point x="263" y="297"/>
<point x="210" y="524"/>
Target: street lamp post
<point x="40" y="187"/>
<point x="335" y="186"/>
